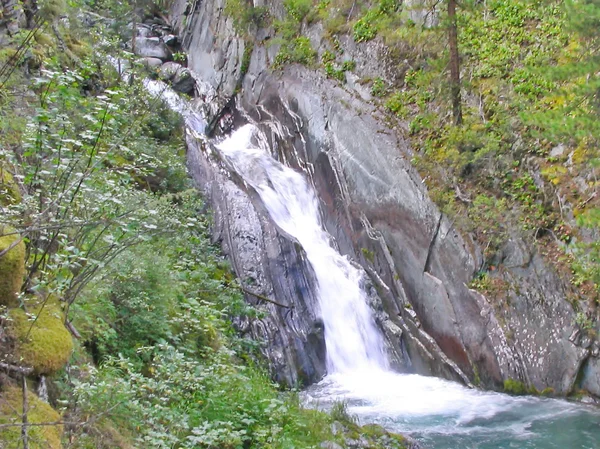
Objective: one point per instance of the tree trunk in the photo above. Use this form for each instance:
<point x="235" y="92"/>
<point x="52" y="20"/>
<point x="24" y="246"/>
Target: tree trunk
<point x="454" y="63"/>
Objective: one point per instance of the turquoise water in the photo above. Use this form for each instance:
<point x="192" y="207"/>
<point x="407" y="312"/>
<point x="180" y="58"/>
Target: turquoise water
<point x="445" y="415"/>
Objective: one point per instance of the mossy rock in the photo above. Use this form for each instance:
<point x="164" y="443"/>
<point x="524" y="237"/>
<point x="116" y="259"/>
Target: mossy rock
<point x="12" y="267"/>
<point x="9" y="190"/>
<point x="48" y="346"/>
<point x="517" y="388"/>
<point x="11" y="410"/>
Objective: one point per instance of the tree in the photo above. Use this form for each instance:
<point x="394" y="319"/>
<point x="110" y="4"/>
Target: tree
<point x="454" y="63"/>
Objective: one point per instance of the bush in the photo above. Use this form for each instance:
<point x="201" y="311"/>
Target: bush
<point x="365" y="29"/>
<point x="299" y="51"/>
<point x="297" y="9"/>
<point x="244" y="15"/>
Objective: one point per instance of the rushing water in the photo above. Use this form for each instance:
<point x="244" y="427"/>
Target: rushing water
<point x="439" y="413"/>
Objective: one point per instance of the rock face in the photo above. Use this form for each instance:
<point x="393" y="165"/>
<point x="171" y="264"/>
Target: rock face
<point x="269" y="265"/>
<point x="377" y="208"/>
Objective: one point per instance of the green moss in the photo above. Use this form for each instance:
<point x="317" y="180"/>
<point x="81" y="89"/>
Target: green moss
<point x="512" y="386"/>
<point x="9" y="191"/>
<point x="373" y="430"/>
<point x="48" y="345"/>
<point x="248" y="49"/>
<point x="12" y="267"/>
<point x="369" y="255"/>
<point x="11" y="410"/>
<point x="547" y="392"/>
<point x="516" y="387"/>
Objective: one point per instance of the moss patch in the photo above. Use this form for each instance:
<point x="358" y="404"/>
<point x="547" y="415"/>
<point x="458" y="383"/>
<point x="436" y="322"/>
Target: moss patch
<point x="512" y="386"/>
<point x="48" y="346"/>
<point x="11" y="409"/>
<point x="12" y="267"/>
<point x="9" y="191"/>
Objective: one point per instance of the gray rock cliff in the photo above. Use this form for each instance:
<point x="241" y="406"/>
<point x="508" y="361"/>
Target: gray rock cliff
<point x="377" y="208"/>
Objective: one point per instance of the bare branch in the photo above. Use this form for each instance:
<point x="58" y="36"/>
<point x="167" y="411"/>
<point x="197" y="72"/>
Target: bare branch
<point x="25" y="370"/>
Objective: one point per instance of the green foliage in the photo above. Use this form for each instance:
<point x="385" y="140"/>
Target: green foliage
<point x="339" y="412"/>
<point x="369" y="255"/>
<point x="248" y="49"/>
<point x="517" y="388"/>
<point x="379" y="89"/>
<point x="332" y="69"/>
<point x="295" y="48"/>
<point x="379" y="17"/>
<point x="51" y="9"/>
<point x="299" y="50"/>
<point x="244" y="15"/>
<point x="297" y="9"/>
<point x="365" y="29"/>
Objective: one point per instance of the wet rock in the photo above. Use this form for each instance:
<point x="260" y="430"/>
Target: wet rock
<point x="152" y="63"/>
<point x="337" y="428"/>
<point x="152" y="47"/>
<point x="180" y="77"/>
<point x="268" y="264"/>
<point x="330" y="445"/>
<point x="144" y="31"/>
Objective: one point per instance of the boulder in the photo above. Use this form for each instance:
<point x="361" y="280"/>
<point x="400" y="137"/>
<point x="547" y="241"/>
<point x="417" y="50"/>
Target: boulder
<point x="152" y="63"/>
<point x="168" y="70"/>
<point x="180" y="77"/>
<point x="152" y="47"/>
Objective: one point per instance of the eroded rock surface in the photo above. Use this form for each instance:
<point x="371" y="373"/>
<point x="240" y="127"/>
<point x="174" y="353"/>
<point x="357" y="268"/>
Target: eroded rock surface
<point x="377" y="208"/>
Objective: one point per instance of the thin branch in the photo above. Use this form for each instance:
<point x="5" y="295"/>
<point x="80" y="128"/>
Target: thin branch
<point x="16" y="369"/>
<point x="72" y="329"/>
<point x="261" y="297"/>
<point x="24" y="434"/>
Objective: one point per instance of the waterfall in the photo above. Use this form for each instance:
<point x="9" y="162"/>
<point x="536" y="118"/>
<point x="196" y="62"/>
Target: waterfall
<point x="441" y="414"/>
<point x="353" y="341"/>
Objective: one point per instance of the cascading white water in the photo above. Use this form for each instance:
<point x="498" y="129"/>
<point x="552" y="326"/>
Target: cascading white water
<point x="442" y="414"/>
<point x="352" y="340"/>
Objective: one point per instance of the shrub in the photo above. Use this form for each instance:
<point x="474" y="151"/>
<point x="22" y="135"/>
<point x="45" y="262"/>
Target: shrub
<point x="297" y="9"/>
<point x="298" y="50"/>
<point x="365" y="29"/>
